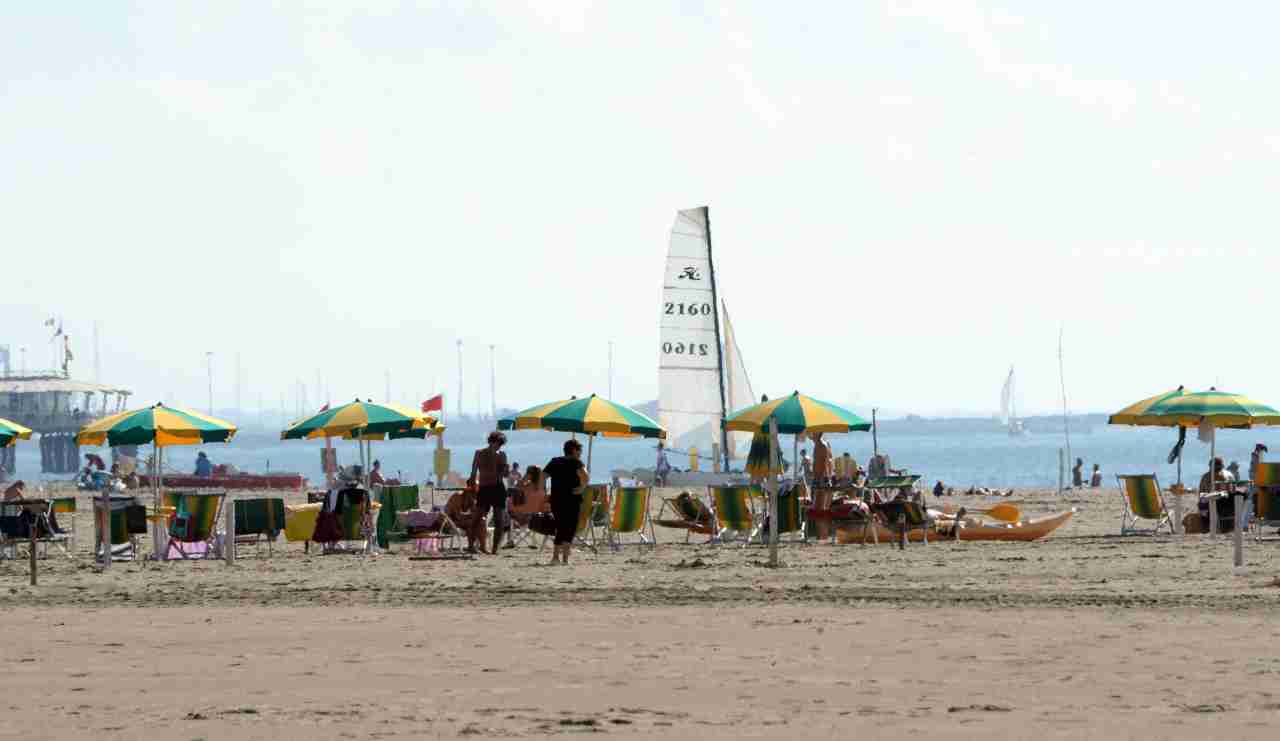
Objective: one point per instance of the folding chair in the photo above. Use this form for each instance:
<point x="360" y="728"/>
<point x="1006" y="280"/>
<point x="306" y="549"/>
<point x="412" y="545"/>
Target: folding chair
<point x="394" y="500"/>
<point x="790" y="520"/>
<point x="905" y="515"/>
<point x="1142" y="501"/>
<point x="630" y="516"/>
<point x="732" y="512"/>
<point x="127" y="520"/>
<point x="62" y="512"/>
<point x="594" y="496"/>
<point x="531" y="504"/>
<point x="194" y="527"/>
<point x="1266" y="497"/>
<point x="258" y="520"/>
<point x="688" y="514"/>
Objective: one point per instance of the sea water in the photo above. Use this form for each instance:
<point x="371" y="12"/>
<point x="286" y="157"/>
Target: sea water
<point x="959" y="460"/>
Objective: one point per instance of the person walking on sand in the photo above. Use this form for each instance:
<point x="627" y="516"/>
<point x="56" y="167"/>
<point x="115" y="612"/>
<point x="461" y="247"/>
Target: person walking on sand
<point x="488" y="471"/>
<point x="567" y="475"/>
<point x="1095" y="480"/>
<point x="663" y="467"/>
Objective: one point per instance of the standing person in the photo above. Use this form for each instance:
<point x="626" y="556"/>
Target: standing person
<point x="662" y="467"/>
<point x="806" y="465"/>
<point x="513" y="481"/>
<point x="1077" y="474"/>
<point x="1255" y="458"/>
<point x="567" y="474"/>
<point x="823" y="472"/>
<point x="939" y="490"/>
<point x="204" y="466"/>
<point x="1095" y="481"/>
<point x="488" y="471"/>
<point x="375" y="475"/>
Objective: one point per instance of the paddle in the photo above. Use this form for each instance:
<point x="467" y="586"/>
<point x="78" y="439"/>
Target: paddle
<point x="1004" y="512"/>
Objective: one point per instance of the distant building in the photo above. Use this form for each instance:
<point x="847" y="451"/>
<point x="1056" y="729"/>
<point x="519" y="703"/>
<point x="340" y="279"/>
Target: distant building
<point x="55" y="407"/>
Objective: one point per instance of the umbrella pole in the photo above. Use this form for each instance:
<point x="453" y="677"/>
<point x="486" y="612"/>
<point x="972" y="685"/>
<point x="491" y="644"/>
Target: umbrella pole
<point x="591" y="439"/>
<point x="773" y="495"/>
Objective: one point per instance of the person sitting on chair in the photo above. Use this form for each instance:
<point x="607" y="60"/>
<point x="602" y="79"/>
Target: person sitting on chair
<point x="15" y="491"/>
<point x="1214" y="478"/>
<point x="204" y="466"/>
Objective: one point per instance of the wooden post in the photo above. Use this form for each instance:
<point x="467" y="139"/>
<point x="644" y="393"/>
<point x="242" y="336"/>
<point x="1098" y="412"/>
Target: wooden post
<point x="875" y="440"/>
<point x="1061" y="471"/>
<point x="1177" y="512"/>
<point x="105" y="528"/>
<point x="229" y="540"/>
<point x="1213" y="516"/>
<point x="35" y="528"/>
<point x="1237" y="535"/>
<point x="773" y="493"/>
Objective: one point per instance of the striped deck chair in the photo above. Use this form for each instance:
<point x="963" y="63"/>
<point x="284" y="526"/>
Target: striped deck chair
<point x="688" y="513"/>
<point x="195" y="525"/>
<point x="905" y="515"/>
<point x="258" y="520"/>
<point x="128" y="520"/>
<point x="630" y="516"/>
<point x="594" y="496"/>
<point x="1266" y="497"/>
<point x="1142" y="501"/>
<point x="733" y="512"/>
<point x="790" y="519"/>
<point x="63" y="511"/>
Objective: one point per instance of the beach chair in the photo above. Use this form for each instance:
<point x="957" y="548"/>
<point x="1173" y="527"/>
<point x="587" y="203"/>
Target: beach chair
<point x="687" y="513"/>
<point x="64" y="514"/>
<point x="258" y="520"/>
<point x="732" y="508"/>
<point x="1142" y="501"/>
<point x="594" y="496"/>
<point x="1266" y="497"/>
<point x="905" y="515"/>
<point x="127" y="520"/>
<point x="394" y="500"/>
<point x="531" y="504"/>
<point x="790" y="519"/>
<point x="630" y="516"/>
<point x="194" y="527"/>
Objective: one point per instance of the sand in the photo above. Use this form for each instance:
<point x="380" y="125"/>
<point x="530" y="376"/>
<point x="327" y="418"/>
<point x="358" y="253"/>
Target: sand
<point x="1085" y="634"/>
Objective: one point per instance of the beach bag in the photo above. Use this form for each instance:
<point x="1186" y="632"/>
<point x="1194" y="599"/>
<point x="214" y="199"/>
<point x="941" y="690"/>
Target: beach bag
<point x="135" y="519"/>
<point x="542" y="523"/>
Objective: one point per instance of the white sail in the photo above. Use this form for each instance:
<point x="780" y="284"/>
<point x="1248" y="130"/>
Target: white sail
<point x="1006" y="399"/>
<point x="737" y="386"/>
<point x="690" y="398"/>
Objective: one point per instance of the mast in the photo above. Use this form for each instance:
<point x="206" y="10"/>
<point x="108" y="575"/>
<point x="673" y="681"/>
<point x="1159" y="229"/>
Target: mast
<point x="728" y="383"/>
<point x="715" y="308"/>
<point x="1062" y="381"/>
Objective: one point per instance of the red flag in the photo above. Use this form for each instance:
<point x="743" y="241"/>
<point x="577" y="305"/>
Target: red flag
<point x="324" y="408"/>
<point x="434" y="404"/>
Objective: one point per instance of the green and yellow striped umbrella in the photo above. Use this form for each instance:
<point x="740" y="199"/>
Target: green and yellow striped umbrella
<point x="796" y="414"/>
<point x="159" y="425"/>
<point x="591" y="415"/>
<point x="1218" y="408"/>
<point x="364" y="418"/>
<point x="1139" y="414"/>
<point x="11" y="432"/>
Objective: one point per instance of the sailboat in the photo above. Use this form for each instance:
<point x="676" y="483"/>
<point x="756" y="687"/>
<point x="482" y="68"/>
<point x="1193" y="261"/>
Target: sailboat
<point x="701" y="374"/>
<point x="1009" y="407"/>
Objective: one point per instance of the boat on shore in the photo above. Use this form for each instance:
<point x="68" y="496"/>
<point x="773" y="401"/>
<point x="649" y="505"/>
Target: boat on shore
<point x="1024" y="531"/>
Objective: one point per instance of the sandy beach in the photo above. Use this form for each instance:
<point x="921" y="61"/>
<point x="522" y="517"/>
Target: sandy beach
<point x="1084" y="634"/>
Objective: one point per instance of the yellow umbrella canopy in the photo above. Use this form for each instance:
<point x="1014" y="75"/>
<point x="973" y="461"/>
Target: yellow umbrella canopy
<point x="159" y="425"/>
<point x="367" y="419"/>
<point x="1139" y="414"/>
<point x="11" y="432"/>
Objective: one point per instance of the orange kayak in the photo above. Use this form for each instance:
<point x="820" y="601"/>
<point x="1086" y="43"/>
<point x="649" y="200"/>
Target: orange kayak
<point x="1020" y="531"/>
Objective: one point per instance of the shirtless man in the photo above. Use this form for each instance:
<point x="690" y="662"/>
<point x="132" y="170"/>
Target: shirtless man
<point x="823" y="472"/>
<point x="489" y="471"/>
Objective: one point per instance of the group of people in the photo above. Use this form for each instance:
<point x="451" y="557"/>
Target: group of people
<point x="827" y="469"/>
<point x="1077" y="475"/>
<point x="497" y="487"/>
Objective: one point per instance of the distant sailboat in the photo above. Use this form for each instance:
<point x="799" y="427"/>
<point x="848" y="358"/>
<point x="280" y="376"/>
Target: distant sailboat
<point x="1009" y="407"/>
<point x="701" y="374"/>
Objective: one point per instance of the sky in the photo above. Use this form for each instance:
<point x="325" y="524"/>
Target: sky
<point x="906" y="198"/>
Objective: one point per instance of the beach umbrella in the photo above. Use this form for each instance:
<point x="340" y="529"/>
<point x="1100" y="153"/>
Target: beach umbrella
<point x="362" y="421"/>
<point x="11" y="432"/>
<point x="1137" y="415"/>
<point x="160" y="426"/>
<point x="1212" y="409"/>
<point x="591" y="415"/>
<point x="796" y="414"/>
<point x="758" y="457"/>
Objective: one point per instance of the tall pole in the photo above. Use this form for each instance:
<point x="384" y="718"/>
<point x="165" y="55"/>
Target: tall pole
<point x="388" y="396"/>
<point x="1062" y="381"/>
<point x="715" y="312"/>
<point x="875" y="440"/>
<point x="493" y="383"/>
<point x="239" y="388"/>
<point x="209" y="358"/>
<point x="459" y="380"/>
<point x="22" y="354"/>
<point x="610" y="370"/>
<point x="97" y="359"/>
<point x="319" y="386"/>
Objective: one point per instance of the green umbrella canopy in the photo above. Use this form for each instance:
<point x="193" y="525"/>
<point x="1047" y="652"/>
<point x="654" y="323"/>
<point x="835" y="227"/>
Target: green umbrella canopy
<point x="591" y="415"/>
<point x="796" y="414"/>
<point x="12" y="431"/>
<point x="157" y="424"/>
<point x="357" y="417"/>
<point x="1218" y="408"/>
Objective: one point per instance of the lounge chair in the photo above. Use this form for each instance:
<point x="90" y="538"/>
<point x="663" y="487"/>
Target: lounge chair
<point x="128" y="520"/>
<point x="905" y="515"/>
<point x="687" y="513"/>
<point x="258" y="520"/>
<point x="732" y="508"/>
<point x="1266" y="497"/>
<point x="394" y="499"/>
<point x="630" y="516"/>
<point x="194" y="527"/>
<point x="1142" y="501"/>
<point x="593" y="495"/>
<point x="530" y="504"/>
<point x="790" y="520"/>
